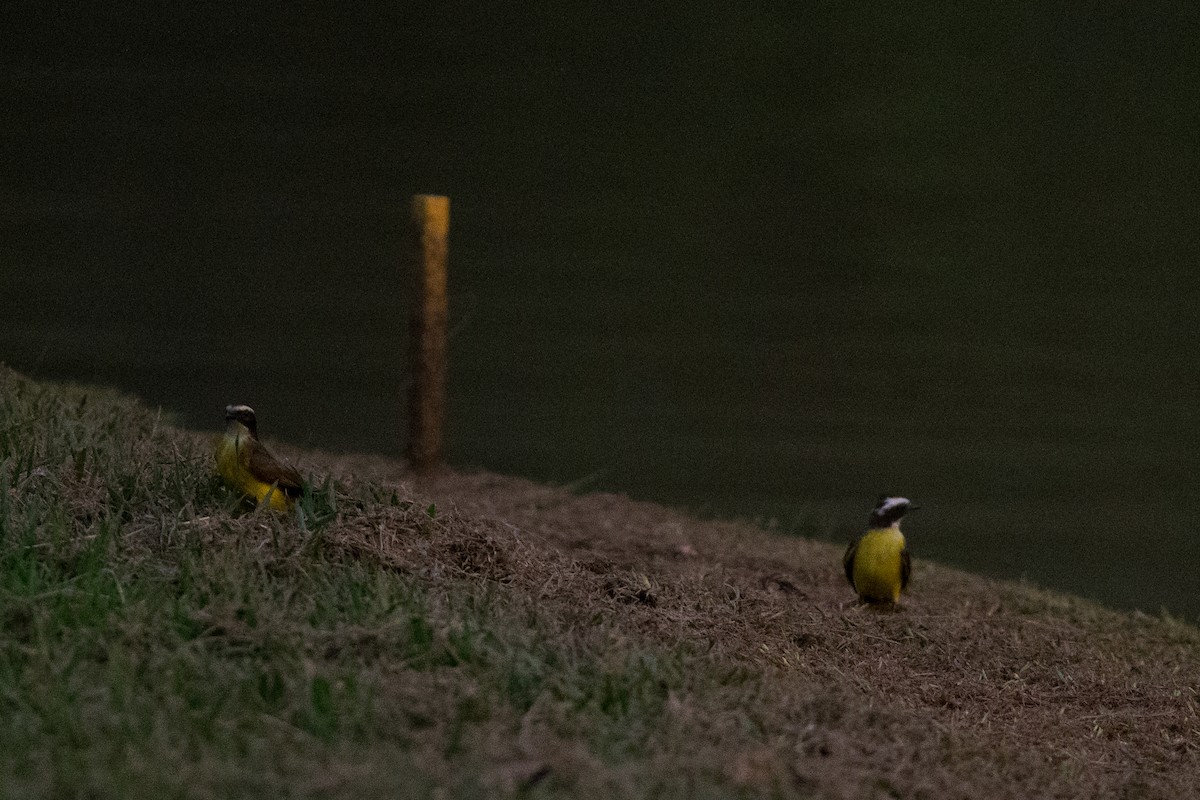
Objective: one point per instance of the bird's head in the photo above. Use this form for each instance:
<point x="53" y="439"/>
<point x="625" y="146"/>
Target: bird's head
<point x="889" y="510"/>
<point x="243" y="415"/>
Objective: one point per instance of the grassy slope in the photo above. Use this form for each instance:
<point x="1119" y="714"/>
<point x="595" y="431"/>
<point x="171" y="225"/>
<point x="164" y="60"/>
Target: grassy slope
<point x="479" y="635"/>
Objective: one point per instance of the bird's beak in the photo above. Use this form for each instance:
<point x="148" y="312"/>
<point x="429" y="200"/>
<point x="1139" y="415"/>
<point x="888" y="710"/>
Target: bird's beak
<point x="913" y="508"/>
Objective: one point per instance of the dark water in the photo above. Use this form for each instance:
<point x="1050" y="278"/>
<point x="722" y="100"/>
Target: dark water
<point x="758" y="261"/>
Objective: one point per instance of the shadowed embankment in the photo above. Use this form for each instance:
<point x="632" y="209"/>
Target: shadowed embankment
<point x="473" y="633"/>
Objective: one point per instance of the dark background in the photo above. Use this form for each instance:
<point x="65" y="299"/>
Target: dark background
<point x="760" y="259"/>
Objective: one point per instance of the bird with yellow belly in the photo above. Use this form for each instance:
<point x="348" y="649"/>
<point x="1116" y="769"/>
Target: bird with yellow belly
<point x="249" y="468"/>
<point x="877" y="563"/>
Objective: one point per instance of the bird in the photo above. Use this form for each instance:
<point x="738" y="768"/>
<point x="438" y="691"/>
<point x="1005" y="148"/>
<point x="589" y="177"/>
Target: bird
<point x="249" y="467"/>
<point x="876" y="563"/>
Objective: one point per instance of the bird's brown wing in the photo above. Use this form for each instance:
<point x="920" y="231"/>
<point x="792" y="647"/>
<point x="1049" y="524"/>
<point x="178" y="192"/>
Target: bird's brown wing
<point x="848" y="561"/>
<point x="905" y="569"/>
<point x="266" y="468"/>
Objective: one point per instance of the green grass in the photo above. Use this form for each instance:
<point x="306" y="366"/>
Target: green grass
<point x="158" y="640"/>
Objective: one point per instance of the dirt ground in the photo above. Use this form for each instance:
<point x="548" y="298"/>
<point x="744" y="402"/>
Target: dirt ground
<point x="973" y="688"/>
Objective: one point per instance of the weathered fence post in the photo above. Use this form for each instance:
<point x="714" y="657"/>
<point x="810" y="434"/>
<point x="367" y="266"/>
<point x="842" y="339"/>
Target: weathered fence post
<point x="430" y="228"/>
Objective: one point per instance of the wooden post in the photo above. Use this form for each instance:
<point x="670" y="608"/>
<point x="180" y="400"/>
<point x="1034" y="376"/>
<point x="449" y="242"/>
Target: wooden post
<point x="430" y="229"/>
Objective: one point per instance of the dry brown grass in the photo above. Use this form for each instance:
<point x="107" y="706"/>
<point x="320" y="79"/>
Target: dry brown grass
<point x="975" y="688"/>
<point x="474" y="635"/>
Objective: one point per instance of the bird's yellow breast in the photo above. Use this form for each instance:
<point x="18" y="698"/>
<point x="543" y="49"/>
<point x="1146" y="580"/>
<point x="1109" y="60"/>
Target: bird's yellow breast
<point x="233" y="464"/>
<point x="877" y="564"/>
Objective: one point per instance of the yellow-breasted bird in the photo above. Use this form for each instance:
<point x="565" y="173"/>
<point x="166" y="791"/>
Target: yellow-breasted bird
<point x="248" y="466"/>
<point x="877" y="565"/>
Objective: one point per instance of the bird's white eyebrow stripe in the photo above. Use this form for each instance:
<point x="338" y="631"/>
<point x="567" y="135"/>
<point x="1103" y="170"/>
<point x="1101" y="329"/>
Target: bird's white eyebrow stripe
<point x="891" y="503"/>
